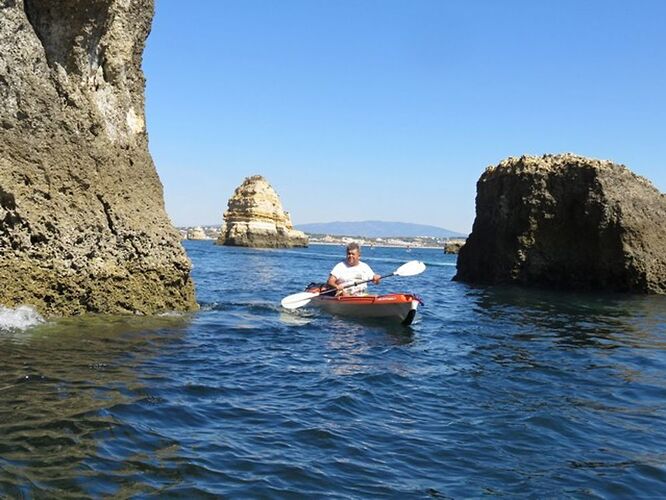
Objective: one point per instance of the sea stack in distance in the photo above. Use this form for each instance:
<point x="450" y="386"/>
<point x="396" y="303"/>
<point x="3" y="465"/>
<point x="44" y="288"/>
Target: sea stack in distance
<point x="196" y="233"/>
<point x="83" y="227"/>
<point x="567" y="222"/>
<point x="255" y="218"/>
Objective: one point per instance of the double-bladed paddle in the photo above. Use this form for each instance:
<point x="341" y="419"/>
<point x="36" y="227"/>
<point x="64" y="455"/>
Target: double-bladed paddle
<point x="296" y="300"/>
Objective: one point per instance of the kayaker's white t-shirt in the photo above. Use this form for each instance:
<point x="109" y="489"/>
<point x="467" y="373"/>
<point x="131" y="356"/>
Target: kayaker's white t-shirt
<point x="349" y="274"/>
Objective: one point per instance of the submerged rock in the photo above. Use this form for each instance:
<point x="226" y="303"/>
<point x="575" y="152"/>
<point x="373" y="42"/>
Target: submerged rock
<point x="566" y="221"/>
<point x="255" y="218"/>
<point x="82" y="220"/>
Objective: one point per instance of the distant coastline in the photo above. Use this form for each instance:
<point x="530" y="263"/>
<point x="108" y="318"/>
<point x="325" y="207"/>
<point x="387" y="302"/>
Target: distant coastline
<point x="322" y="243"/>
<point x="377" y="229"/>
<point x="407" y="242"/>
<point x="368" y="243"/>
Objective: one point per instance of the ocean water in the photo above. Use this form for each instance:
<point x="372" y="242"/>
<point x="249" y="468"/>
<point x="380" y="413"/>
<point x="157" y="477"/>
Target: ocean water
<point x="492" y="391"/>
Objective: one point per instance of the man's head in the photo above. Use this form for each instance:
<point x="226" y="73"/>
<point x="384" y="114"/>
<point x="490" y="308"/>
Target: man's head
<point x="353" y="254"/>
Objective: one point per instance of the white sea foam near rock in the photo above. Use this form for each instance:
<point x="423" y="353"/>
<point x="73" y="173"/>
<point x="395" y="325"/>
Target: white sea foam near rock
<point x="171" y="314"/>
<point x="19" y="318"/>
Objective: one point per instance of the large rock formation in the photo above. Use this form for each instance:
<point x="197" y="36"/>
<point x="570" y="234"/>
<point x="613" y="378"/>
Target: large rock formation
<point x="82" y="220"/>
<point x="255" y="218"/>
<point x="567" y="221"/>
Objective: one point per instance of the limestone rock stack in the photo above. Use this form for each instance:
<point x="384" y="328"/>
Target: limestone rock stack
<point x="82" y="220"/>
<point x="255" y="218"/>
<point x="196" y="233"/>
<point x="567" y="221"/>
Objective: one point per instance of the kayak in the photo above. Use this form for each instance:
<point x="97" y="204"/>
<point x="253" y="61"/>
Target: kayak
<point x="399" y="307"/>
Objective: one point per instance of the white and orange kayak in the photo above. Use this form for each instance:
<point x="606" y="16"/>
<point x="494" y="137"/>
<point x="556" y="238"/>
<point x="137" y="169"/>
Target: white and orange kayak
<point x="398" y="307"/>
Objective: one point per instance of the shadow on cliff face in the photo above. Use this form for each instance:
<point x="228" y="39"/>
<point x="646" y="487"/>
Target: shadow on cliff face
<point x="69" y="31"/>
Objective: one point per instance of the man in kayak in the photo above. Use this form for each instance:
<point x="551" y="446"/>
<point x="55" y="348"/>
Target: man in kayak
<point x="351" y="270"/>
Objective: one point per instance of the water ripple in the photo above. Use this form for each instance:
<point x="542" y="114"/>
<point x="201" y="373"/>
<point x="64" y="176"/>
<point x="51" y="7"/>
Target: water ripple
<point x="492" y="391"/>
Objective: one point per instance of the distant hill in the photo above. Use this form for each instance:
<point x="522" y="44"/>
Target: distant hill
<point x="377" y="229"/>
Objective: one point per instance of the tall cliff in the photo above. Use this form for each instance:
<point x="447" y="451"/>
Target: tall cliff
<point x="566" y="221"/>
<point x="82" y="220"/>
<point x="255" y="218"/>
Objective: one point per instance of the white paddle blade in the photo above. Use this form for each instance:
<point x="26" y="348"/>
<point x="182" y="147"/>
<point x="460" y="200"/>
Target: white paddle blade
<point x="297" y="300"/>
<point x="411" y="268"/>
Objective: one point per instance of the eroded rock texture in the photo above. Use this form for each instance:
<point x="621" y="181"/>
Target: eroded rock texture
<point x="255" y="218"/>
<point x="82" y="220"/>
<point x="566" y="221"/>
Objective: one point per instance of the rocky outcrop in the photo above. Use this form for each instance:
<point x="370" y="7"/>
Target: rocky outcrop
<point x="196" y="233"/>
<point x="453" y="246"/>
<point x="82" y="220"/>
<point x="255" y="218"/>
<point x="566" y="221"/>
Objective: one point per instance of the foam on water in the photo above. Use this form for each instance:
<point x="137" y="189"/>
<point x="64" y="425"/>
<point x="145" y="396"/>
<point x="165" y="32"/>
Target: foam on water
<point x="171" y="314"/>
<point x="19" y="318"/>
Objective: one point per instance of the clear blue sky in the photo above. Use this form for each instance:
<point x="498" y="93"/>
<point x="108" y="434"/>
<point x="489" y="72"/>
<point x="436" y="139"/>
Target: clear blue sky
<point x="391" y="110"/>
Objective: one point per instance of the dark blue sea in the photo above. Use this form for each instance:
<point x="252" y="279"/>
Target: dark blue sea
<point x="492" y="392"/>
